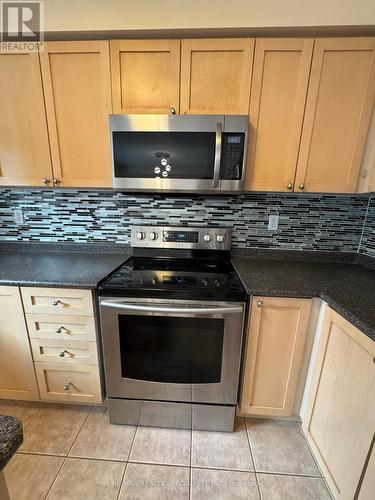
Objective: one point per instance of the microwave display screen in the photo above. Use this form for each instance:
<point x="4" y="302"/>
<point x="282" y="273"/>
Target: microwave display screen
<point x="168" y="155"/>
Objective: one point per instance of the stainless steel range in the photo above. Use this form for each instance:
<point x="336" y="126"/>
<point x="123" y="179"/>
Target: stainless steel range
<point x="172" y="321"/>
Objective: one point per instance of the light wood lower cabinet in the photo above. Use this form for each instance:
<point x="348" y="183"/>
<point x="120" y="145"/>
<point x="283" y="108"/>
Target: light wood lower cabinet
<point x="17" y="375"/>
<point x="275" y="342"/>
<point x="56" y="301"/>
<point x="340" y="417"/>
<point x="73" y="383"/>
<point x="65" y="351"/>
<point x="56" y="327"/>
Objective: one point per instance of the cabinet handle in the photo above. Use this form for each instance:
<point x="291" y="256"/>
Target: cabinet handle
<point x="173" y="110"/>
<point x="61" y="329"/>
<point x="301" y="186"/>
<point x="62" y="353"/>
<point x="56" y="303"/>
<point x="45" y="181"/>
<point x="289" y="186"/>
<point x="259" y="303"/>
<point x="56" y="181"/>
<point x="66" y="386"/>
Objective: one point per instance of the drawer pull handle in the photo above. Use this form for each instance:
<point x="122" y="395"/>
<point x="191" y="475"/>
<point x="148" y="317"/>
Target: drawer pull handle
<point x="67" y="386"/>
<point x="259" y="303"/>
<point x="62" y="329"/>
<point x="62" y="353"/>
<point x="56" y="302"/>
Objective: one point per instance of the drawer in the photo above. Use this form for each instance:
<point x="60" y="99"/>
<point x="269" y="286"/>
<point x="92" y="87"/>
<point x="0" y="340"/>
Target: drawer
<point x="73" y="383"/>
<point x="54" y="327"/>
<point x="64" y="301"/>
<point x="65" y="351"/>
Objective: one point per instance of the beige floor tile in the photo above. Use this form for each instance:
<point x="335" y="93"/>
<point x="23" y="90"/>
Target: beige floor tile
<point x="279" y="446"/>
<point x="29" y="477"/>
<point x="81" y="479"/>
<point x="209" y="484"/>
<point x="292" y="488"/>
<point x="155" y="482"/>
<point x="100" y="439"/>
<point x="161" y="446"/>
<point x="222" y="450"/>
<point x="25" y="410"/>
<point x="54" y="428"/>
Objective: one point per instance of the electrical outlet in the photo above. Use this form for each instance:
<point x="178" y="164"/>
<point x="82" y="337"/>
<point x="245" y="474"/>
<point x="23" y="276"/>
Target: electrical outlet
<point x="18" y="216"/>
<point x="273" y="222"/>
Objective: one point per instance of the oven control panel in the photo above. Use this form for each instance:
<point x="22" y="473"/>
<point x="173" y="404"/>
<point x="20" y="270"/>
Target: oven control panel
<point x="200" y="238"/>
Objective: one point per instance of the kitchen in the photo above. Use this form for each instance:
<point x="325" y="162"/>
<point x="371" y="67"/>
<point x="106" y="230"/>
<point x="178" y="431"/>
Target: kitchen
<point x="187" y="245"/>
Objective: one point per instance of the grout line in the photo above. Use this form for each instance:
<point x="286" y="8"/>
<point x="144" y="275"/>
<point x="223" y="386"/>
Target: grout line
<point x="79" y="432"/>
<point x="253" y="459"/>
<point x="191" y="453"/>
<point x="122" y="481"/>
<point x="132" y="443"/>
<point x="310" y="450"/>
<point x="364" y="225"/>
<point x="55" y="477"/>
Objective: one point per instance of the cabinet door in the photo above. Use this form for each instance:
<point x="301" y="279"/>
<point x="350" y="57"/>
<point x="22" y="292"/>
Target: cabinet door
<point x="24" y="149"/>
<point x="340" y="415"/>
<point x="338" y="110"/>
<point x="76" y="78"/>
<point x="216" y="75"/>
<point x="277" y="104"/>
<point x="145" y="75"/>
<point x="17" y="376"/>
<point x="275" y="341"/>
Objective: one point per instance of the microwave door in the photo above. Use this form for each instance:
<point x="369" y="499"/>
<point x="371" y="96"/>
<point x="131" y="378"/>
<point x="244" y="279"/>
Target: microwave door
<point x="167" y="155"/>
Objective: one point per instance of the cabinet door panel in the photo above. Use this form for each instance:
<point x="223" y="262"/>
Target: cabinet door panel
<point x="24" y="149"/>
<point x="17" y="376"/>
<point x="276" y="338"/>
<point x="145" y="75"/>
<point x="341" y="408"/>
<point x="216" y="75"/>
<point x="279" y="88"/>
<point x="76" y="78"/>
<point x="338" y="110"/>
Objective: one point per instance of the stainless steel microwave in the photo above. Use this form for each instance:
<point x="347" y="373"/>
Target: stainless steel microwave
<point x="178" y="153"/>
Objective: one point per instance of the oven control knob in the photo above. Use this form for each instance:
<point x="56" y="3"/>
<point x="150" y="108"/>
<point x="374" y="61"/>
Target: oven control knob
<point x="207" y="237"/>
<point x="157" y="170"/>
<point x="153" y="235"/>
<point x="204" y="282"/>
<point x="164" y="162"/>
<point x="141" y="235"/>
<point x="220" y="238"/>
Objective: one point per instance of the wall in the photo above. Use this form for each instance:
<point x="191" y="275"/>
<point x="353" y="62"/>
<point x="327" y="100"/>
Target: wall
<point x="309" y="222"/>
<point x="367" y="245"/>
<point x="76" y="15"/>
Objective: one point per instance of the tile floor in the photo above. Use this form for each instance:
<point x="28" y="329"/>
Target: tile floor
<point x="72" y="452"/>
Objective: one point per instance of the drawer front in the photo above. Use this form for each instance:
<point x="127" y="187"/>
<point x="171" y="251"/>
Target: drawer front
<point x="55" y="327"/>
<point x="73" y="383"/>
<point x="63" y="301"/>
<point x="65" y="351"/>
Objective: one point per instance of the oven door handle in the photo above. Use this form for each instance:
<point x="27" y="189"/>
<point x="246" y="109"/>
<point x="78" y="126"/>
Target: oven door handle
<point x="217" y="161"/>
<point x="174" y="310"/>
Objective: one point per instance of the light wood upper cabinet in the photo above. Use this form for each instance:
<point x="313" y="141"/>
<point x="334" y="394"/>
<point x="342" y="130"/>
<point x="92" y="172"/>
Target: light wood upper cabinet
<point x="24" y="149"/>
<point x="278" y="96"/>
<point x="216" y="75"/>
<point x="145" y="75"/>
<point x="275" y="342"/>
<point x="340" y="415"/>
<point x="76" y="79"/>
<point x="17" y="376"/>
<point x="338" y="109"/>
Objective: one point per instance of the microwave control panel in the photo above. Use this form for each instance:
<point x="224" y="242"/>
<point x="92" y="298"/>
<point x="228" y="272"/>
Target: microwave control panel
<point x="232" y="150"/>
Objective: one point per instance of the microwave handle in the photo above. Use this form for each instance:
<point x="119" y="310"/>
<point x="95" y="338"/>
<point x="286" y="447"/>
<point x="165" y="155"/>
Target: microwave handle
<point x="217" y="161"/>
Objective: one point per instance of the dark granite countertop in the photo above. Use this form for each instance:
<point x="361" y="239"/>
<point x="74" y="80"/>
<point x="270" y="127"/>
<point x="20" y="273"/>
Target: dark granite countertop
<point x="59" y="265"/>
<point x="347" y="287"/>
<point x="11" y="437"/>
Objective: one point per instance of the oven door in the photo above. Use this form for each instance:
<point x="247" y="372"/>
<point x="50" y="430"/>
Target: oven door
<point x="172" y="351"/>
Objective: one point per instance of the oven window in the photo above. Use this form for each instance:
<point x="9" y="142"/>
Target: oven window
<point x="174" y="350"/>
<point x="179" y="155"/>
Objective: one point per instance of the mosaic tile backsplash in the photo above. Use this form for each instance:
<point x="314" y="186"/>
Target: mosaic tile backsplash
<point x="367" y="246"/>
<point x="307" y="222"/>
